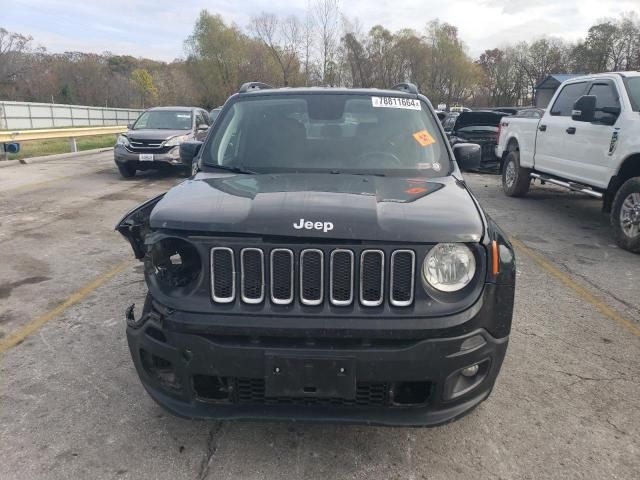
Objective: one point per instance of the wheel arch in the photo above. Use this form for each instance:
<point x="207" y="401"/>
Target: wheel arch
<point x="629" y="168"/>
<point x="513" y="142"/>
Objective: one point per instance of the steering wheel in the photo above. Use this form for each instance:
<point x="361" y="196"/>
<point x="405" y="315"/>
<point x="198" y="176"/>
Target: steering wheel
<point x="381" y="158"/>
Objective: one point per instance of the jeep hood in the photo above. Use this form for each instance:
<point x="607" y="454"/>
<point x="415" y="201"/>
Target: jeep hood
<point x="359" y="207"/>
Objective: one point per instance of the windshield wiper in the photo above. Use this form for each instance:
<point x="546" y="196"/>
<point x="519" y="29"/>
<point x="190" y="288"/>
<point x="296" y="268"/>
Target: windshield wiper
<point x="234" y="169"/>
<point x="338" y="172"/>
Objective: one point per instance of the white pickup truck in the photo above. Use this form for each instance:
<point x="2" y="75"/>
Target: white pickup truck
<point x="587" y="140"/>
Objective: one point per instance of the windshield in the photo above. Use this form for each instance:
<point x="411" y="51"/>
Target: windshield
<point x="164" y="120"/>
<point x="330" y="133"/>
<point x="633" y="88"/>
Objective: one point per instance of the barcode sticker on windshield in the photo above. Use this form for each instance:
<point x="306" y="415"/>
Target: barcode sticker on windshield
<point x="395" y="102"/>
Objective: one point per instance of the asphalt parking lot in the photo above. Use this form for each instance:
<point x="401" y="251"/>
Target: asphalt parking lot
<point x="566" y="404"/>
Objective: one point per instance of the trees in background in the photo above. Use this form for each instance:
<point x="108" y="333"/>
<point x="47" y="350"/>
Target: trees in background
<point x="319" y="47"/>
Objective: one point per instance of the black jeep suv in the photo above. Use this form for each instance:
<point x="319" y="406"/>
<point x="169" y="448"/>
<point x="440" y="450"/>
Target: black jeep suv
<point x="326" y="262"/>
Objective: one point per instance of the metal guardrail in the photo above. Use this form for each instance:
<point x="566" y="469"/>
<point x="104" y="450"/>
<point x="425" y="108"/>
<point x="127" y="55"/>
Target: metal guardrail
<point x="29" y="115"/>
<point x="46" y="133"/>
<point x="17" y="136"/>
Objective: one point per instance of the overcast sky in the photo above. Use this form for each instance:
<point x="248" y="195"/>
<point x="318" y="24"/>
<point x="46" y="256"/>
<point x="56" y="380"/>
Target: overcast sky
<point x="157" y="28"/>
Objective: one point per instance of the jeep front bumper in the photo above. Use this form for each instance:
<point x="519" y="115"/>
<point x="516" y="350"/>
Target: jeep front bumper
<point x="196" y="371"/>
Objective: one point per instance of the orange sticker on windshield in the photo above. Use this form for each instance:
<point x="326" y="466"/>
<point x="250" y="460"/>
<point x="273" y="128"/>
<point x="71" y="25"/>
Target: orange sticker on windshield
<point x="423" y="138"/>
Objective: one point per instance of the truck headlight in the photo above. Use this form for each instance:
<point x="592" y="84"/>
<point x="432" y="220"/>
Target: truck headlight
<point x="122" y="140"/>
<point x="175" y="141"/>
<point x="449" y="267"/>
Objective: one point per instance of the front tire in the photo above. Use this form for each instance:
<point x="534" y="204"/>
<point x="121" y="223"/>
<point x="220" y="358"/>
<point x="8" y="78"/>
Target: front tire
<point x="625" y="215"/>
<point x="126" y="170"/>
<point x="515" y="179"/>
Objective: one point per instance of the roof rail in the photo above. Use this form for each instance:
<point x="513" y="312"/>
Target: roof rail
<point x="406" y="87"/>
<point x="249" y="86"/>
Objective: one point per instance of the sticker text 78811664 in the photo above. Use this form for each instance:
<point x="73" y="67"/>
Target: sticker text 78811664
<point x="396" y="102"/>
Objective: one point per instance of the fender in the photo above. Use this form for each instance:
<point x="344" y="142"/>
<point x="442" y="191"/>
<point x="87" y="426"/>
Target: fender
<point x="134" y="226"/>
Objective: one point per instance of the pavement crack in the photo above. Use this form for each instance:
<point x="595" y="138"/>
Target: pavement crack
<point x="212" y="446"/>
<point x="615" y="427"/>
<point x="600" y="289"/>
<point x="590" y="379"/>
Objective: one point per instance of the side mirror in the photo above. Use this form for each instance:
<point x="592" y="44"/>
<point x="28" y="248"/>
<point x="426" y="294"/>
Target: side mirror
<point x="584" y="110"/>
<point x="202" y="126"/>
<point x="129" y="125"/>
<point x="189" y="150"/>
<point x="468" y="155"/>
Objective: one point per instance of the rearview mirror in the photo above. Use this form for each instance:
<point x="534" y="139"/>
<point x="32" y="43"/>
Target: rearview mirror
<point x="468" y="155"/>
<point x="188" y="151"/>
<point x="584" y="109"/>
<point x="202" y="126"/>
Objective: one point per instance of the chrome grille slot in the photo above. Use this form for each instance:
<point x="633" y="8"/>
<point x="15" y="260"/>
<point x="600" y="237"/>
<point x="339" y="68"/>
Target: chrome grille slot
<point x="223" y="275"/>
<point x="341" y="277"/>
<point x="372" y="278"/>
<point x="281" y="276"/>
<point x="402" y="278"/>
<point x="252" y="275"/>
<point x="311" y="276"/>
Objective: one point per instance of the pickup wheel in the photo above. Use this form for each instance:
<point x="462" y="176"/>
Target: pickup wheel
<point x="515" y="179"/>
<point x="625" y="215"/>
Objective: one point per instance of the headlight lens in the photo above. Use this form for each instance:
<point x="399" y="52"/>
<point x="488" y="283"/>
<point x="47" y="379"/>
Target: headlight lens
<point x="449" y="267"/>
<point x="175" y="141"/>
<point x="122" y="140"/>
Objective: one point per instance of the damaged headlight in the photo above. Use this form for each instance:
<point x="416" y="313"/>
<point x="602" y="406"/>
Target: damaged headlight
<point x="174" y="262"/>
<point x="449" y="267"/>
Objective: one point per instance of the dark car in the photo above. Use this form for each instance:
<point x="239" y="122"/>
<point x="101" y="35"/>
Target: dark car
<point x="533" y="112"/>
<point x="483" y="128"/>
<point x="449" y="121"/>
<point x="153" y="140"/>
<point x="327" y="262"/>
<point x="213" y="114"/>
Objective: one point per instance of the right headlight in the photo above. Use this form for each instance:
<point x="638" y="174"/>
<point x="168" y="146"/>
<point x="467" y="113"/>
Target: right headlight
<point x="449" y="267"/>
<point x="122" y="140"/>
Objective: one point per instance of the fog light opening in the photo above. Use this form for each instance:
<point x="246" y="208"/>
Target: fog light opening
<point x="209" y="388"/>
<point x="160" y="369"/>
<point x="471" y="371"/>
<point x="410" y="393"/>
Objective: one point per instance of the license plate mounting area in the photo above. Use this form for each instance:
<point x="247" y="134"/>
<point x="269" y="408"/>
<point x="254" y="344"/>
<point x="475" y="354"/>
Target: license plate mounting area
<point x="302" y="376"/>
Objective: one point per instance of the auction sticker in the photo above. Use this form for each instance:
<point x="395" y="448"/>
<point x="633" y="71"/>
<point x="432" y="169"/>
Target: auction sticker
<point x="395" y="102"/>
<point x="423" y="138"/>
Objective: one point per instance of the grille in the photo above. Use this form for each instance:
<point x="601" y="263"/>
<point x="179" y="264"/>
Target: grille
<point x="372" y="277"/>
<point x="143" y="143"/>
<point x="281" y="276"/>
<point x="311" y="277"/>
<point x="306" y="272"/>
<point x="252" y="391"/>
<point x="223" y="275"/>
<point x="252" y="275"/>
<point x="488" y="152"/>
<point x="341" y="277"/>
<point x="402" y="277"/>
<point x="147" y="146"/>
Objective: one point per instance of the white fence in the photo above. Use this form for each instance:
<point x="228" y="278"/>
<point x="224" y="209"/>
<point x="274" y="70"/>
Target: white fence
<point x="26" y="115"/>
